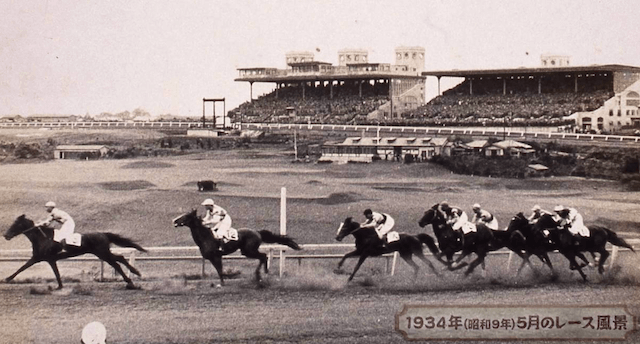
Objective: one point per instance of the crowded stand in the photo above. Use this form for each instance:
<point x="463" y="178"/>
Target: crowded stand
<point x="286" y="105"/>
<point x="489" y="105"/>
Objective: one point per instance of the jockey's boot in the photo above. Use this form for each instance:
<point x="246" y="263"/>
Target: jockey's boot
<point x="63" y="242"/>
<point x="220" y="245"/>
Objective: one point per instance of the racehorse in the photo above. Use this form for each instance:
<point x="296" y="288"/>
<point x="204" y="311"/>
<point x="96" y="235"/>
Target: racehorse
<point x="47" y="250"/>
<point x="368" y="244"/>
<point x="451" y="241"/>
<point x="248" y="243"/>
<point x="570" y="246"/>
<point x="525" y="240"/>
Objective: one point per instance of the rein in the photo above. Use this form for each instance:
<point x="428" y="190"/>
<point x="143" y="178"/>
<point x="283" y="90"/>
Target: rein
<point x="32" y="228"/>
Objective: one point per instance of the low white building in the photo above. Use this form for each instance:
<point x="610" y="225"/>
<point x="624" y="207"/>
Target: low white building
<point x="80" y="151"/>
<point x="366" y="149"/>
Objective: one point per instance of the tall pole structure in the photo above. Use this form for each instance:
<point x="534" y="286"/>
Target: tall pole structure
<point x="214" y="100"/>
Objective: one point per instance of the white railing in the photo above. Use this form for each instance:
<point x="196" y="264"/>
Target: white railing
<point x="281" y="252"/>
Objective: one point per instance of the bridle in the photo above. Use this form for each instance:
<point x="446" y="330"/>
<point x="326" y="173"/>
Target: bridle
<point x="342" y="226"/>
<point x="32" y="228"/>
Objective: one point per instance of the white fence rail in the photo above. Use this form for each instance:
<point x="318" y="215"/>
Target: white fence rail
<point x="282" y="253"/>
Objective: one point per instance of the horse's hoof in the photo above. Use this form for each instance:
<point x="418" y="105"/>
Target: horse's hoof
<point x="338" y="271"/>
<point x="132" y="286"/>
<point x="213" y="285"/>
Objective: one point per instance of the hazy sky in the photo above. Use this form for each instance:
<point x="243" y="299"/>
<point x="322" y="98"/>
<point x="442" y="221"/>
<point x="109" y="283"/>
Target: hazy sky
<point x="78" y="57"/>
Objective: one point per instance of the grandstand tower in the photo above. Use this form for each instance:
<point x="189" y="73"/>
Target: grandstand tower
<point x="412" y="57"/>
<point x="298" y="57"/>
<point x="548" y="60"/>
<point x="319" y="92"/>
<point x="350" y="56"/>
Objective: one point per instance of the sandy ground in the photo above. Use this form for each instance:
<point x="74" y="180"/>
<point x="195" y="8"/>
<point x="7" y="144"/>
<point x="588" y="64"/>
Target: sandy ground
<point x="138" y="198"/>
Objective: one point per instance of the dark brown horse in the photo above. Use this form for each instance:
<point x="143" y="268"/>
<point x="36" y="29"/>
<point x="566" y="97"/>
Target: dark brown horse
<point x="47" y="250"/>
<point x="248" y="243"/>
<point x="368" y="244"/>
<point x="571" y="246"/>
<point x="451" y="241"/>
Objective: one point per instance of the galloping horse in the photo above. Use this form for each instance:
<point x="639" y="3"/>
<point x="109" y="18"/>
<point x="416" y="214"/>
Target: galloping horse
<point x="368" y="244"/>
<point x="248" y="243"/>
<point x="571" y="247"/>
<point x="47" y="250"/>
<point x="473" y="242"/>
<point x="525" y="240"/>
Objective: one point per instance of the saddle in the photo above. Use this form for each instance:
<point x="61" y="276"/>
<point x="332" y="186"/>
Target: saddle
<point x="74" y="239"/>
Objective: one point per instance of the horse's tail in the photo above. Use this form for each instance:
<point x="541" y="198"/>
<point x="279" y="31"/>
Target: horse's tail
<point x="614" y="239"/>
<point x="123" y="242"/>
<point x="270" y="238"/>
<point x="428" y="240"/>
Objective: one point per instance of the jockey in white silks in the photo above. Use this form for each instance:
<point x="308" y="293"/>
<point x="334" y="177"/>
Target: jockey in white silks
<point x="382" y="223"/>
<point x="570" y="218"/>
<point x="217" y="219"/>
<point x="482" y="216"/>
<point x="67" y="225"/>
<point x="455" y="216"/>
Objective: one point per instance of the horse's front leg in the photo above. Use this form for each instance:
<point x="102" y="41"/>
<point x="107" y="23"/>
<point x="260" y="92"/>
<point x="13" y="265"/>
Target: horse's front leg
<point x="348" y="255"/>
<point x="573" y="265"/>
<point x="360" y="261"/>
<point x="456" y="264"/>
<point x="26" y="265"/>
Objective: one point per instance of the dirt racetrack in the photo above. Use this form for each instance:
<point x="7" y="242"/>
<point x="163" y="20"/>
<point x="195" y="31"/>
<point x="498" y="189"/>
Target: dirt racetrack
<point x="138" y="198"/>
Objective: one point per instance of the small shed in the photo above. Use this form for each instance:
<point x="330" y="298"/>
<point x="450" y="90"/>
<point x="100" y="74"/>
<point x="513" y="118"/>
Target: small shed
<point x="80" y="151"/>
<point x="536" y="170"/>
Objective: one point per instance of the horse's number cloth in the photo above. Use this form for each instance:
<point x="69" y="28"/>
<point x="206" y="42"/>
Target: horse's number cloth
<point x="230" y="234"/>
<point x="393" y="236"/>
<point x="74" y="239"/>
<point x="469" y="227"/>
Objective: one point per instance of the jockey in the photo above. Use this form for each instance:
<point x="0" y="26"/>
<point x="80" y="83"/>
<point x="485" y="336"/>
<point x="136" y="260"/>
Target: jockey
<point x="455" y="216"/>
<point x="382" y="223"/>
<point x="482" y="216"/>
<point x="537" y="212"/>
<point x="217" y="220"/>
<point x="67" y="227"/>
<point x="571" y="219"/>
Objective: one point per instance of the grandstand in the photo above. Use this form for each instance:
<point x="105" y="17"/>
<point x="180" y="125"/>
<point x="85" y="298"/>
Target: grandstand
<point x="597" y="98"/>
<point x="556" y="95"/>
<point x="310" y="91"/>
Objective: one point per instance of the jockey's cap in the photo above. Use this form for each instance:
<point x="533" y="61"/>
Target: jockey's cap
<point x="208" y="201"/>
<point x="535" y="208"/>
<point x="50" y="204"/>
<point x="94" y="333"/>
<point x="476" y="206"/>
<point x="444" y="205"/>
<point x="368" y="212"/>
<point x="559" y="208"/>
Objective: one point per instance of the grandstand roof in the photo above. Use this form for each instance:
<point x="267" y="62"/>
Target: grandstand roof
<point x="538" y="70"/>
<point x="329" y="77"/>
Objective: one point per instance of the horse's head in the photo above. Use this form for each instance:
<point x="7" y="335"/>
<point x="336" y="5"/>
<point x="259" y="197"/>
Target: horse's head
<point x="347" y="227"/>
<point x="518" y="222"/>
<point x="546" y="221"/>
<point x="430" y="216"/>
<point x="187" y="219"/>
<point x="19" y="226"/>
